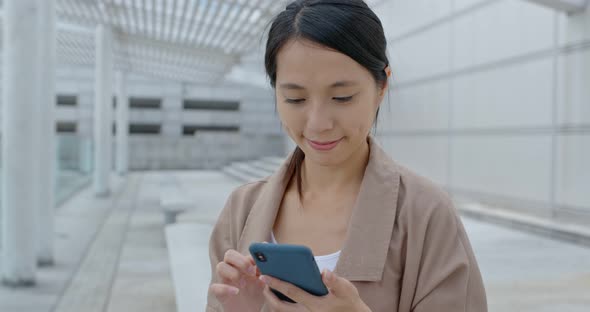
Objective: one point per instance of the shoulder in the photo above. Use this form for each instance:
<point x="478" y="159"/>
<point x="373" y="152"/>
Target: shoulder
<point x="420" y="200"/>
<point x="416" y="195"/>
<point x="232" y="218"/>
<point x="241" y="200"/>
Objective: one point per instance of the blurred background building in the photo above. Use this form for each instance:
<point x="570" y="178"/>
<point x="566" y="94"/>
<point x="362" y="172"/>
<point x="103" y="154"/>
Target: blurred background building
<point x="489" y="98"/>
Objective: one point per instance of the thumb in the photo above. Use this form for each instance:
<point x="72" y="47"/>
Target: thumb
<point x="337" y="285"/>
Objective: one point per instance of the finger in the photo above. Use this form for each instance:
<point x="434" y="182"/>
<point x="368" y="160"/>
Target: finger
<point x="256" y="270"/>
<point x="297" y="294"/>
<point x="227" y="272"/>
<point x="223" y="292"/>
<point x="337" y="285"/>
<point x="239" y="261"/>
<point x="276" y="304"/>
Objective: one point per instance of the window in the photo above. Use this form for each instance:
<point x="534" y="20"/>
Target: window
<point x="144" y="128"/>
<point x="66" y="127"/>
<point x="211" y="105"/>
<point x="145" y="103"/>
<point x="190" y="130"/>
<point x="67" y="100"/>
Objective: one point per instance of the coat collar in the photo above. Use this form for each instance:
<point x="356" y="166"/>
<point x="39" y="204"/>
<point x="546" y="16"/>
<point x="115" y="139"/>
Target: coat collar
<point x="367" y="242"/>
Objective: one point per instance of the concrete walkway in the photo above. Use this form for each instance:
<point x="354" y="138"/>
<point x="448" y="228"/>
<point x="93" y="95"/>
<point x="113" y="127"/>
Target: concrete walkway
<point x="112" y="255"/>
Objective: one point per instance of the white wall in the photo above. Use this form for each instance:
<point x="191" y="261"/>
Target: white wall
<point x="170" y="150"/>
<point x="491" y="99"/>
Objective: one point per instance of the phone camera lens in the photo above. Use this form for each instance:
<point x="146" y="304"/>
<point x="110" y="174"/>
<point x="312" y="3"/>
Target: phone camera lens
<point x="261" y="257"/>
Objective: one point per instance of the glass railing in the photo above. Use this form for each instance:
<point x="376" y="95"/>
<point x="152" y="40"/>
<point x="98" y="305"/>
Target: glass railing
<point x="74" y="165"/>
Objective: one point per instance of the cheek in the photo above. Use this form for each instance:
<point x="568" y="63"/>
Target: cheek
<point x="358" y="120"/>
<point x="289" y="117"/>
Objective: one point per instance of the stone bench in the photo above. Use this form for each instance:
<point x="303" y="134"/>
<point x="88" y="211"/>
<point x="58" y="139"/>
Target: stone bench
<point x="172" y="200"/>
<point x="188" y="251"/>
<point x="172" y="206"/>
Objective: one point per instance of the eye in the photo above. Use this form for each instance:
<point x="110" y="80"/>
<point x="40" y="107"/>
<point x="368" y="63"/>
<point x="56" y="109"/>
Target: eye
<point x="294" y="101"/>
<point x="343" y="99"/>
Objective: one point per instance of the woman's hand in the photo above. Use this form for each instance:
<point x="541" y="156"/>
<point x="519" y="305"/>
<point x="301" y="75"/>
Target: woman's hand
<point x="343" y="296"/>
<point x="239" y="288"/>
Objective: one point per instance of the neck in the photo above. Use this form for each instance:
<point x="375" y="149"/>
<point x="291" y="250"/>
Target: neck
<point x="320" y="179"/>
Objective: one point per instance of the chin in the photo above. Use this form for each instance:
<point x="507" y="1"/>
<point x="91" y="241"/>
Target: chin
<point x="328" y="159"/>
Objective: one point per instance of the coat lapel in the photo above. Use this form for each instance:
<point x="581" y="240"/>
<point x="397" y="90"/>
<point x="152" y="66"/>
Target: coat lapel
<point x="262" y="216"/>
<point x="364" y="254"/>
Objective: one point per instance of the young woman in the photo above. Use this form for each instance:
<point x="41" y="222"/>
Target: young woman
<point x="385" y="238"/>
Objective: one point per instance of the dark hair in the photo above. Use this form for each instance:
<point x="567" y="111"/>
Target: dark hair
<point x="347" y="26"/>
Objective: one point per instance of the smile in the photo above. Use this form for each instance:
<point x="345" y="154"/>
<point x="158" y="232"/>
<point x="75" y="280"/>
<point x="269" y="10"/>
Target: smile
<point x="323" y="146"/>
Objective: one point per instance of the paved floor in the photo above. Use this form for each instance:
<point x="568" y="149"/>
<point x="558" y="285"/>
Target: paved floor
<point x="112" y="255"/>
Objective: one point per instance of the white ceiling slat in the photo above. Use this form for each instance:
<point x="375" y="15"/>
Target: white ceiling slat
<point x="162" y="8"/>
<point x="201" y="22"/>
<point x="194" y="52"/>
<point x="221" y="22"/>
<point x="193" y="18"/>
<point x="173" y="21"/>
<point x="144" y="14"/>
<point x="213" y="17"/>
<point x="98" y="15"/>
<point x="106" y="17"/>
<point x="127" y="15"/>
<point x="114" y="9"/>
<point x="65" y="8"/>
<point x="236" y="32"/>
<point x="164" y="20"/>
<point x="77" y="8"/>
<point x="133" y="17"/>
<point x="180" y="28"/>
<point x="256" y="21"/>
<point x="144" y="61"/>
<point x="231" y="25"/>
<point x="90" y="13"/>
<point x="154" y="21"/>
<point x="271" y="9"/>
<point x="195" y="40"/>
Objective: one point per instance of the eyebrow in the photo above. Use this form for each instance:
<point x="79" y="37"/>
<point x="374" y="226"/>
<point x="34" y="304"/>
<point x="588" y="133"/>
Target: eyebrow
<point x="293" y="86"/>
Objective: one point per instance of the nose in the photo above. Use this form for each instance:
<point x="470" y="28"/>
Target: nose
<point x="319" y="119"/>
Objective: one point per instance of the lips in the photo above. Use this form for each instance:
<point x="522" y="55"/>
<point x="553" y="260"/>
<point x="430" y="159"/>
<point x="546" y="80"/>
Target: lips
<point x="323" y="145"/>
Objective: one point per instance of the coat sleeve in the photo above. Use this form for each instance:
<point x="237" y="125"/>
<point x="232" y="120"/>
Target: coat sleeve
<point x="221" y="240"/>
<point x="448" y="277"/>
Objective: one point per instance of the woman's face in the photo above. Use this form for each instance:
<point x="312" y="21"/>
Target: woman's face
<point x="326" y="101"/>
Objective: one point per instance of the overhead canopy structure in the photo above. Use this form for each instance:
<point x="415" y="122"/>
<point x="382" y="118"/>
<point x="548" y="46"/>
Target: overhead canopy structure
<point x="568" y="6"/>
<point x="199" y="41"/>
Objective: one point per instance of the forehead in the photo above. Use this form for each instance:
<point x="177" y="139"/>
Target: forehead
<point x="306" y="62"/>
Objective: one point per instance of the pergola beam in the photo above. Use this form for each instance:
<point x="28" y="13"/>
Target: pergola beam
<point x="568" y="6"/>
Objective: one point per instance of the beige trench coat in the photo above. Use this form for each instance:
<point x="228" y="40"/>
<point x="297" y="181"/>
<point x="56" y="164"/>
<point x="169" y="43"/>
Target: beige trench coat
<point x="406" y="248"/>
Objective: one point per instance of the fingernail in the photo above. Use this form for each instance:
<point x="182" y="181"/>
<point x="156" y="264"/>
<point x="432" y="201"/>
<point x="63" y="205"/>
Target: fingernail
<point x="252" y="270"/>
<point x="328" y="274"/>
<point x="235" y="291"/>
<point x="265" y="279"/>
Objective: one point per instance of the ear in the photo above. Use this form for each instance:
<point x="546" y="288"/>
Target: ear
<point x="385" y="86"/>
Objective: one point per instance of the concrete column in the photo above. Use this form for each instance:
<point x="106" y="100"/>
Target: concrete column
<point x="103" y="108"/>
<point x="122" y="123"/>
<point x="45" y="121"/>
<point x="19" y="253"/>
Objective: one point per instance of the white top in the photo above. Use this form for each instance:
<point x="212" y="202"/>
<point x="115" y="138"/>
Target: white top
<point x="323" y="262"/>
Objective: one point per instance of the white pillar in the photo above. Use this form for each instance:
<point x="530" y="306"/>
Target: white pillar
<point x="122" y="123"/>
<point x="45" y="132"/>
<point x="103" y="108"/>
<point x="18" y="135"/>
